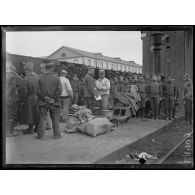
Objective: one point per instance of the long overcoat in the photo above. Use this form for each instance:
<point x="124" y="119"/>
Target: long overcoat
<point x="29" y="110"/>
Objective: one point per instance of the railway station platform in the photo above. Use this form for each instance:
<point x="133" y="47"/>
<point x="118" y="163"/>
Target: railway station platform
<point x="77" y="148"/>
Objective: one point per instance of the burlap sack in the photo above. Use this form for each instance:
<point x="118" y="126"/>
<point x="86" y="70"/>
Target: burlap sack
<point x="98" y="126"/>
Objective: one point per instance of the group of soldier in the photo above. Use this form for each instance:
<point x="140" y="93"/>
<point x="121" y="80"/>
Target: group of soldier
<point x="42" y="101"/>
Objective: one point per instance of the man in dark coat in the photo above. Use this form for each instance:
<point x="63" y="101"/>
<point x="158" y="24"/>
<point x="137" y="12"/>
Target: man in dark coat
<point x="49" y="91"/>
<point x="89" y="95"/>
<point x="30" y="108"/>
<point x="12" y="99"/>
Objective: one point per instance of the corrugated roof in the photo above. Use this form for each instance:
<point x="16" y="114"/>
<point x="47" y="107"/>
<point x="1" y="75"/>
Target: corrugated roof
<point x="99" y="56"/>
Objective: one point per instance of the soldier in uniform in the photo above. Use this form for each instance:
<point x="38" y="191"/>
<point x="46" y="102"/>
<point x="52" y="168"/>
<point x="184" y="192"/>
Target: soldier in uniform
<point x="142" y="89"/>
<point x="76" y="89"/>
<point x="187" y="97"/>
<point x="90" y="93"/>
<point x="148" y="107"/>
<point x="12" y="99"/>
<point x="176" y="99"/>
<point x="49" y="91"/>
<point x="169" y="94"/>
<point x="155" y="96"/>
<point x="112" y="87"/>
<point x="126" y="85"/>
<point x="48" y="125"/>
<point x="30" y="112"/>
<point x="120" y="84"/>
<point x="82" y="91"/>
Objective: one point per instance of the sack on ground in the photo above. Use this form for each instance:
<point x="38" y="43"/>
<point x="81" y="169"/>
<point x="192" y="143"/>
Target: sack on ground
<point x="97" y="126"/>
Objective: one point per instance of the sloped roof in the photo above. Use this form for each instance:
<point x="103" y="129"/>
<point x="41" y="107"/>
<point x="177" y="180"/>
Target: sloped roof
<point x="99" y="56"/>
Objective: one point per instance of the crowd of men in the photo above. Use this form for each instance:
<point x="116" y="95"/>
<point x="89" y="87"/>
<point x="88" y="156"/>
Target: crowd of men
<point x="42" y="101"/>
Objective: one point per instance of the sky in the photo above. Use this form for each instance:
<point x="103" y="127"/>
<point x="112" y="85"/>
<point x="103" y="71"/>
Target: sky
<point x="124" y="44"/>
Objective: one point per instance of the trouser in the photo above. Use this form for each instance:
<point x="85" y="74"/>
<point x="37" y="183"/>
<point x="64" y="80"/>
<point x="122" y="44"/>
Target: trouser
<point x="174" y="110"/>
<point x="169" y="104"/>
<point x="142" y="107"/>
<point x="65" y="106"/>
<point x="147" y="107"/>
<point x="11" y="116"/>
<point x="104" y="101"/>
<point x="162" y="109"/>
<point x="89" y="103"/>
<point x="155" y="106"/>
<point x="188" y="110"/>
<point x="55" y="116"/>
<point x="48" y="121"/>
<point x="75" y="97"/>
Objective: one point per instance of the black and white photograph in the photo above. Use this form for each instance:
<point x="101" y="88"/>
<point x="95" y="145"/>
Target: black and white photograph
<point x="94" y="97"/>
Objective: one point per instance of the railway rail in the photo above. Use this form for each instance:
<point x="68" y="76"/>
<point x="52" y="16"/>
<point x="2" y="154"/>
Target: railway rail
<point x="171" y="151"/>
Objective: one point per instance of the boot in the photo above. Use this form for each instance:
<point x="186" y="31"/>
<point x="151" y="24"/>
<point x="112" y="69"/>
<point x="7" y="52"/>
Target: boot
<point x="35" y="129"/>
<point x="30" y="130"/>
<point x="10" y="129"/>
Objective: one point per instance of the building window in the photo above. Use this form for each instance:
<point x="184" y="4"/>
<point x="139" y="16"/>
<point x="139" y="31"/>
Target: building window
<point x="89" y="62"/>
<point x="101" y="65"/>
<point x="107" y="66"/>
<point x="76" y="61"/>
<point x="112" y="66"/>
<point x="95" y="63"/>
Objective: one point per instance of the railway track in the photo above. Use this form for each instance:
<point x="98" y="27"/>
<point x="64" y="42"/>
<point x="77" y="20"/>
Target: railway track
<point x="171" y="151"/>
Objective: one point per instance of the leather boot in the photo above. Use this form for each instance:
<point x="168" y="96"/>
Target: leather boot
<point x="30" y="130"/>
<point x="10" y="129"/>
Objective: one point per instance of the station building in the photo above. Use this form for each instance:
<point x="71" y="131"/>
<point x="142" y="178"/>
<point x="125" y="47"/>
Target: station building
<point x="96" y="60"/>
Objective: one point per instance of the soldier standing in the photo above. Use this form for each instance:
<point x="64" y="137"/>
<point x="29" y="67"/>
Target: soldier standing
<point x="169" y="94"/>
<point x="76" y="89"/>
<point x="48" y="125"/>
<point x="155" y="95"/>
<point x="82" y="91"/>
<point x="188" y="100"/>
<point x="120" y="84"/>
<point x="90" y="93"/>
<point x="176" y="99"/>
<point x="142" y="89"/>
<point x="12" y="87"/>
<point x="30" y="112"/>
<point x="49" y="91"/>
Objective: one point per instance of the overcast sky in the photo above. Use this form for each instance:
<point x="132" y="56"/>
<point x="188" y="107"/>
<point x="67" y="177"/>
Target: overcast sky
<point x="124" y="44"/>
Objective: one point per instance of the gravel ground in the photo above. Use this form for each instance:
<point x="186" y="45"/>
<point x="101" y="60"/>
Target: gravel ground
<point x="157" y="144"/>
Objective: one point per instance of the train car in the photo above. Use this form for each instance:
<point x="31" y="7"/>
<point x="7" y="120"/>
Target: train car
<point x="19" y="62"/>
